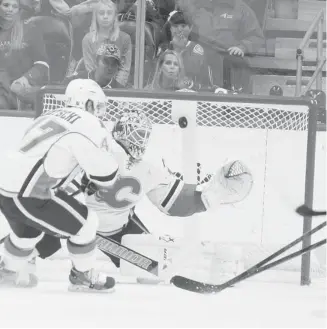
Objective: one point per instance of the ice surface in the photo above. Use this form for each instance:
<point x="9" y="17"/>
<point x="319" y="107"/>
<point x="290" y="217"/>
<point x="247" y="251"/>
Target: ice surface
<point x="274" y="299"/>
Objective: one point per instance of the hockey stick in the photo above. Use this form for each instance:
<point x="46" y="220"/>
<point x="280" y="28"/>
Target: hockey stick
<point x="204" y="288"/>
<point x="306" y="211"/>
<point x="111" y="247"/>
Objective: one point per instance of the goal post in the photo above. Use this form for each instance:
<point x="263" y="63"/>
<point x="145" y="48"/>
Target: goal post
<point x="309" y="186"/>
<point x="275" y="136"/>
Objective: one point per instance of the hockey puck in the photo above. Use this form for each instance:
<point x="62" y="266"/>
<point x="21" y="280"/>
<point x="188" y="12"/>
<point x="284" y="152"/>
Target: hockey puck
<point x="182" y="122"/>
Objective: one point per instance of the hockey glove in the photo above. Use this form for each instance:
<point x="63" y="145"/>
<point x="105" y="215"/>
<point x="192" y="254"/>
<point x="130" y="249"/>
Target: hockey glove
<point x="87" y="186"/>
<point x="231" y="184"/>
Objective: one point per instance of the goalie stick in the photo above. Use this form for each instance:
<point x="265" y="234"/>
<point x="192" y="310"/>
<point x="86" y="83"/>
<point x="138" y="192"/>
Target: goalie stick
<point x="306" y="211"/>
<point x="111" y="247"/>
<point x="204" y="288"/>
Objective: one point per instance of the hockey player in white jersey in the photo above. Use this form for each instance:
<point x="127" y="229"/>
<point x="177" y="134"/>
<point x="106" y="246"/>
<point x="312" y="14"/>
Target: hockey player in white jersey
<point x="137" y="179"/>
<point x="53" y="149"/>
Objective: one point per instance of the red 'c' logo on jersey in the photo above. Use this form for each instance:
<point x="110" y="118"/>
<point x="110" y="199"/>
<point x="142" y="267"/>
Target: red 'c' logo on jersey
<point x="122" y="194"/>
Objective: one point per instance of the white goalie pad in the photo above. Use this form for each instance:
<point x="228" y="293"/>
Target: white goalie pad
<point x="212" y="262"/>
<point x="231" y="184"/>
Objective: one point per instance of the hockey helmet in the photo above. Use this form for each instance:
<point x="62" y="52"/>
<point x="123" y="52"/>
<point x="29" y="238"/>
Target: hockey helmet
<point x="87" y="95"/>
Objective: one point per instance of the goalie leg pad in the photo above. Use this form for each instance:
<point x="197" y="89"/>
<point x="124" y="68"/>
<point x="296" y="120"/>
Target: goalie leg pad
<point x="226" y="262"/>
<point x="207" y="261"/>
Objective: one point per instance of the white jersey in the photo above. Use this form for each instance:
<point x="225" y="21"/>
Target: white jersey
<point x="54" y="146"/>
<point x="113" y="204"/>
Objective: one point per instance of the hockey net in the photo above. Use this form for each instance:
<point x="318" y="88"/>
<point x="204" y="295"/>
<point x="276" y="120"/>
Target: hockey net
<point x="270" y="135"/>
<point x="209" y="113"/>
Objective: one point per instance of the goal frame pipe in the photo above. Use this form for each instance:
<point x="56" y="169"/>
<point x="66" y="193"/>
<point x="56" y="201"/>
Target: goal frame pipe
<point x="309" y="188"/>
<point x="310" y="103"/>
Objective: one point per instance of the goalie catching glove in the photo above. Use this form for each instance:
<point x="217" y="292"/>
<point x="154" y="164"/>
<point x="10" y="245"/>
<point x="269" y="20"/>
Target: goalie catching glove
<point x="231" y="184"/>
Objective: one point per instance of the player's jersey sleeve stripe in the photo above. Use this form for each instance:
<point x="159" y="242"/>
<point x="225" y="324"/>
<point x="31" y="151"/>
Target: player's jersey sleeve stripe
<point x="107" y="178"/>
<point x="30" y="177"/>
<point x="164" y="195"/>
<point x="73" y="187"/>
<point x="38" y="183"/>
<point x="170" y="195"/>
<point x="76" y="184"/>
<point x="60" y="183"/>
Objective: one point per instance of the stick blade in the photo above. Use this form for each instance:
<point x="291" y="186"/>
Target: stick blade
<point x="194" y="286"/>
<point x="306" y="211"/>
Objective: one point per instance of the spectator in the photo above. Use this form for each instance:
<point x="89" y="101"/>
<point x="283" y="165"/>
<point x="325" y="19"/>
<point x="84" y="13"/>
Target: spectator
<point x="23" y="59"/>
<point x="127" y="10"/>
<point x="152" y="30"/>
<point x="30" y="8"/>
<point x="105" y="29"/>
<point x="108" y="62"/>
<point x="164" y="7"/>
<point x="56" y="33"/>
<point x="195" y="65"/>
<point x="169" y="73"/>
<point x="229" y="25"/>
<point x="79" y="13"/>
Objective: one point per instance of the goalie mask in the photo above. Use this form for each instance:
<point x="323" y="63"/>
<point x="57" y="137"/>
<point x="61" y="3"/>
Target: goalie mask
<point x="132" y="131"/>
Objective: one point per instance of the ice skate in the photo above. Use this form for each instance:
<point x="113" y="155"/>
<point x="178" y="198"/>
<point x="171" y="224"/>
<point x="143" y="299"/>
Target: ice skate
<point x="91" y="280"/>
<point x="31" y="266"/>
<point x="18" y="279"/>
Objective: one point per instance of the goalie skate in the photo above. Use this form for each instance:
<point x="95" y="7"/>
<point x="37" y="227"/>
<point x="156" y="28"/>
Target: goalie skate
<point x="17" y="279"/>
<point x="89" y="281"/>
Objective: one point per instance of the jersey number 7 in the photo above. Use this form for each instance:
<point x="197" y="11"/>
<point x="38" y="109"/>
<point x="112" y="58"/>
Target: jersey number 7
<point x="40" y="132"/>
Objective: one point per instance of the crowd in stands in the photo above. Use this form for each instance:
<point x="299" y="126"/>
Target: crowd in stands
<point x="189" y="45"/>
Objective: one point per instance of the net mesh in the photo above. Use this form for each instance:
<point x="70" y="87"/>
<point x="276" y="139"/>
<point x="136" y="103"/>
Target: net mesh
<point x="209" y="114"/>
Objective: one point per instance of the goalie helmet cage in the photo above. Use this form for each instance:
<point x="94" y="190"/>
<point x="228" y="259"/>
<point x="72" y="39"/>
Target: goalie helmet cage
<point x="260" y="125"/>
